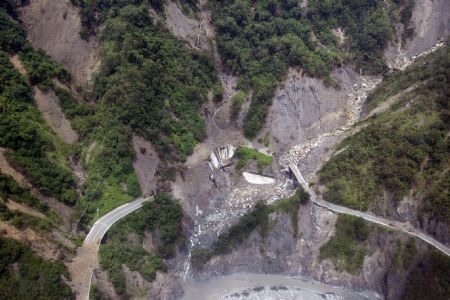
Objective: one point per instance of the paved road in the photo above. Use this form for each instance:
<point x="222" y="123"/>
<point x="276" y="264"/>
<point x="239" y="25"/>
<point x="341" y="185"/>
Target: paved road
<point x="396" y="225"/>
<point x="104" y="223"/>
<point x="86" y="259"/>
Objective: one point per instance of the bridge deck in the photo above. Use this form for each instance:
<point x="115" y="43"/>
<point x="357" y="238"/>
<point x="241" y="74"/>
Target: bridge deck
<point x="396" y="225"/>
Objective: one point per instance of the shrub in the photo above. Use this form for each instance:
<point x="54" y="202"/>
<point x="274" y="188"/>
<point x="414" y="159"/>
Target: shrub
<point x="24" y="275"/>
<point x="236" y="104"/>
<point x="402" y="148"/>
<point x="429" y="279"/>
<point x="245" y="154"/>
<point x="199" y="257"/>
<point x="346" y="248"/>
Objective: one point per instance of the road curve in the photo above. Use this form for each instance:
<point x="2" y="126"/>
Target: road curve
<point x="86" y="260"/>
<point x="396" y="225"/>
<point x="103" y="224"/>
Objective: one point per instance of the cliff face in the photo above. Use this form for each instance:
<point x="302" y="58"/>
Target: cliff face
<point x="280" y="252"/>
<point x="304" y="107"/>
<point x="430" y="21"/>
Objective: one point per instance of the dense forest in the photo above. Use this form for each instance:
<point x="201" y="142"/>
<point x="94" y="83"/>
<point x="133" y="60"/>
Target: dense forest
<point x="161" y="83"/>
<point x="161" y="218"/>
<point x="149" y="84"/>
<point x="131" y="95"/>
<point x="430" y="279"/>
<point x="124" y="94"/>
<point x="405" y="148"/>
<point x="23" y="275"/>
<point x="259" y="41"/>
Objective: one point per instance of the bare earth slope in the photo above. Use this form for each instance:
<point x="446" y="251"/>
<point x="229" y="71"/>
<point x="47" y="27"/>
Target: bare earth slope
<point x="145" y="164"/>
<point x="431" y="23"/>
<point x="54" y="26"/>
<point x="48" y="105"/>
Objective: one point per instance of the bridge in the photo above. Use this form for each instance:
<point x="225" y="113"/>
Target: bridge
<point x="395" y="225"/>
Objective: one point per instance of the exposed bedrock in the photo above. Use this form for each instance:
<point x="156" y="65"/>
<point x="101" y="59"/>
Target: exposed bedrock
<point x="280" y="252"/>
<point x="304" y="107"/>
<point x="431" y="23"/>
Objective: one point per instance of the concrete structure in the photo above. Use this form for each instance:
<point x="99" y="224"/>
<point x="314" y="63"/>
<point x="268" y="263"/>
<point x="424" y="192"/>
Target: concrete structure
<point x="222" y="155"/>
<point x="395" y="225"/>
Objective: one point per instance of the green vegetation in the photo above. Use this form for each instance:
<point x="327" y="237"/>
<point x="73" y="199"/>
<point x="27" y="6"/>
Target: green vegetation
<point x="165" y="108"/>
<point x="217" y="92"/>
<point x="245" y="154"/>
<point x="406" y="147"/>
<point x="368" y="26"/>
<point x="291" y="205"/>
<point x="10" y="189"/>
<point x="80" y="114"/>
<point x="266" y="139"/>
<point x="256" y="219"/>
<point x="95" y="13"/>
<point x="130" y="87"/>
<point x="12" y="35"/>
<point x="430" y="67"/>
<point x="236" y="104"/>
<point x="95" y="293"/>
<point x="36" y="149"/>
<point x="117" y="252"/>
<point x="22" y="221"/>
<point x="346" y="249"/>
<point x="259" y="40"/>
<point x="23" y="275"/>
<point x="199" y="257"/>
<point x="164" y="214"/>
<point x="405" y="254"/>
<point x="162" y="217"/>
<point x="149" y="84"/>
<point x="430" y="279"/>
<point x="41" y="69"/>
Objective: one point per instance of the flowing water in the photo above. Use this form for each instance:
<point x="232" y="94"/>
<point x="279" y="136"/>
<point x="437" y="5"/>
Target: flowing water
<point x="262" y="286"/>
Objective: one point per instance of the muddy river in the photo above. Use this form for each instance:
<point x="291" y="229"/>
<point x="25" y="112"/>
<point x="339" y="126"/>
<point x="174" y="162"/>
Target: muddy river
<point x="261" y="286"/>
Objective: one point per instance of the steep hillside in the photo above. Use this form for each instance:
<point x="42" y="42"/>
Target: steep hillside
<point x="200" y="109"/>
<point x="259" y="41"/>
<point x="54" y="26"/>
<point x="26" y="276"/>
<point x="398" y="164"/>
<point x="53" y="149"/>
<point x="346" y="250"/>
<point x="37" y="187"/>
